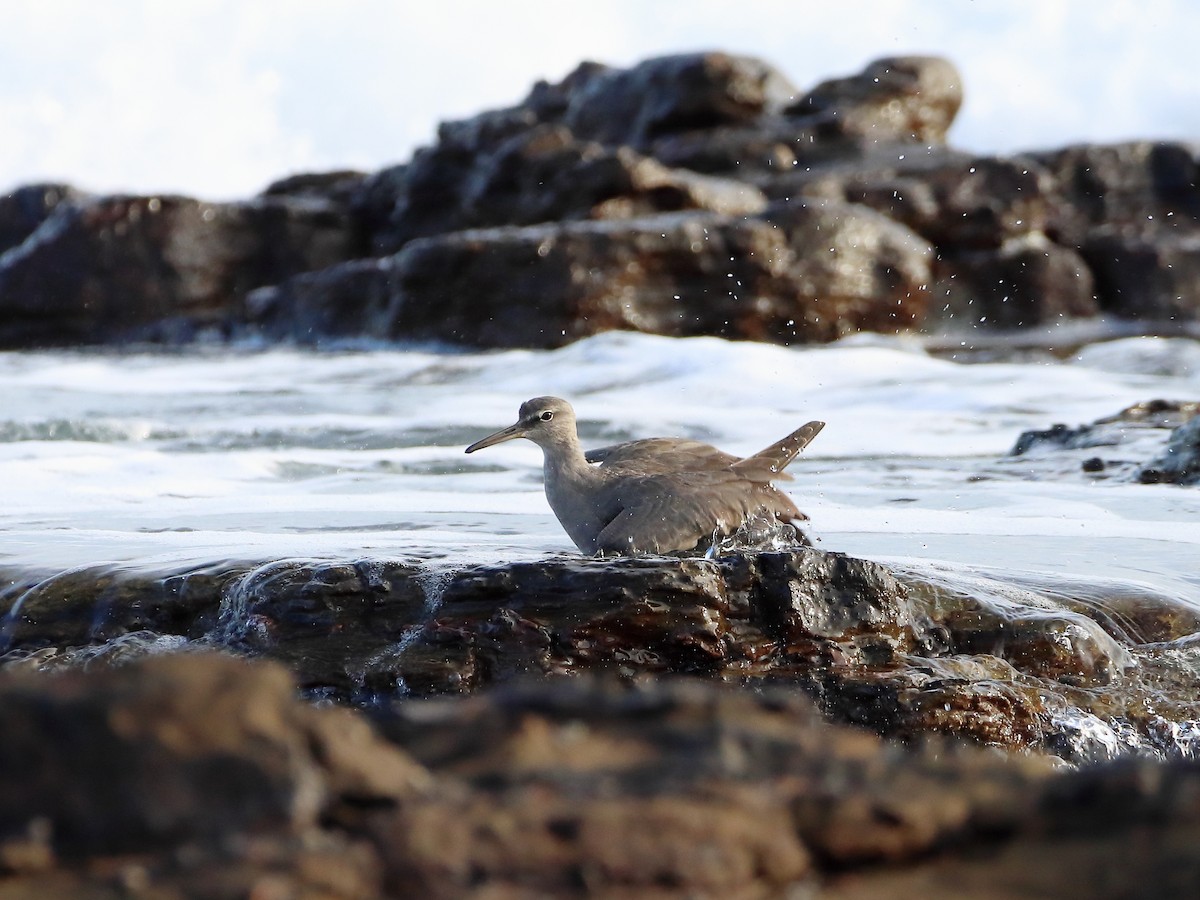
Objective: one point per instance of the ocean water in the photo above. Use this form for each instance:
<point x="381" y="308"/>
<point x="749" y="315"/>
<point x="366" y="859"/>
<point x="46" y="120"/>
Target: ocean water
<point x="160" y="461"/>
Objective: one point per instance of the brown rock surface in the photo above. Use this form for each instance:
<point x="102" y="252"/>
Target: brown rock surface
<point x="1070" y="668"/>
<point x="180" y="748"/>
<point x="796" y="272"/>
<point x="202" y="776"/>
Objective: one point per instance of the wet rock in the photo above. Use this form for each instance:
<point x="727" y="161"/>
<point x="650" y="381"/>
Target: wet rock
<point x="117" y="268"/>
<point x="1154" y="439"/>
<point x="958" y="203"/>
<point x="639" y="198"/>
<point x="26" y="208"/>
<point x="1180" y="461"/>
<point x="353" y="300"/>
<point x="982" y="698"/>
<point x="1007" y="663"/>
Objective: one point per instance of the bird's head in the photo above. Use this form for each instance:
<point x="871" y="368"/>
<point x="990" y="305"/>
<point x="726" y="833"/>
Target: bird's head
<point x="544" y="420"/>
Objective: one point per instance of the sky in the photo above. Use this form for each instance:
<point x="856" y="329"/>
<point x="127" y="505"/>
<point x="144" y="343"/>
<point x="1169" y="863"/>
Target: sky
<point x="217" y="98"/>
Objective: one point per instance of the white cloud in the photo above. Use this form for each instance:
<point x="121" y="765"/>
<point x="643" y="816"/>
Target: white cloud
<point x="218" y="98"/>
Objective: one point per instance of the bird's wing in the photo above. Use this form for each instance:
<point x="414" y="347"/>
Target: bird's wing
<point x="661" y="456"/>
<point x="768" y="464"/>
<point x="665" y="513"/>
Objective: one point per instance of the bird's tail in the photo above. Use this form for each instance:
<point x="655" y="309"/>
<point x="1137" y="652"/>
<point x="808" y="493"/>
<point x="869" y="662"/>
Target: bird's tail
<point x="768" y="464"/>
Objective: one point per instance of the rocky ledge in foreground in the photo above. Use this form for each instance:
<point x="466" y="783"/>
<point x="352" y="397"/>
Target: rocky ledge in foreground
<point x="1053" y="668"/>
<point x="201" y="775"/>
<point x="696" y="194"/>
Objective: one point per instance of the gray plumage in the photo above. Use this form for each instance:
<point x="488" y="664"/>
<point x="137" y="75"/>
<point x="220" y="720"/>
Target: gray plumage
<point x="657" y="495"/>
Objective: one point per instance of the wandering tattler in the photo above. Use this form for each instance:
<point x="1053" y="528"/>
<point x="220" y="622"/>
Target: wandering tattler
<point x="656" y="495"/>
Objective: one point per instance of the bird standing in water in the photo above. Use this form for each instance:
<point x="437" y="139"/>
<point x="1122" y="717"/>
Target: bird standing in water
<point x="657" y="495"/>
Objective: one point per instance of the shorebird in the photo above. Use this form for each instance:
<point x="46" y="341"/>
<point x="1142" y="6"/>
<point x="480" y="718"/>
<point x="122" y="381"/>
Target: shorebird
<point x="657" y="495"/>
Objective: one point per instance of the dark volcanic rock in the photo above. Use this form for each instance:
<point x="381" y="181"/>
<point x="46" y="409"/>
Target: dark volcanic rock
<point x="132" y="267"/>
<point x="1138" y="434"/>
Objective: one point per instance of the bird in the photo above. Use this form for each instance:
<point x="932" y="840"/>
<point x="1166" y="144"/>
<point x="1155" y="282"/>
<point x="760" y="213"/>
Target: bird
<point x="655" y="495"/>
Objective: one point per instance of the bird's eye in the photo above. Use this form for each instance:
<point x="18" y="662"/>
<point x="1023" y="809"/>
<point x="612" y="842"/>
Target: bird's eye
<point x="546" y="416"/>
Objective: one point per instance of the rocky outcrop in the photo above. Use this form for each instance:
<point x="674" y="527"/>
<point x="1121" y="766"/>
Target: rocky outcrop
<point x="794" y="273"/>
<point x="165" y="268"/>
<point x="694" y="194"/>
<point x="201" y="775"/>
<point x="905" y="654"/>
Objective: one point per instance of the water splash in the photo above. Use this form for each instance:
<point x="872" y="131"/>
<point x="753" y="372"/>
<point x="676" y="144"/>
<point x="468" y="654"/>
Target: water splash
<point x="237" y="625"/>
<point x="433" y="582"/>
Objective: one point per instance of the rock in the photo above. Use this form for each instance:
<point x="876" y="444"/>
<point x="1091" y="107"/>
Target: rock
<point x="1132" y="212"/>
<point x="181" y="749"/>
<point x="674" y="94"/>
<point x="118" y="268"/>
<point x="959" y="204"/>
<point x="545" y="174"/>
<point x="1180" y="462"/>
<point x="649" y="198"/>
<point x="1153" y="439"/>
<point x="351" y="301"/>
<point x="896" y="108"/>
<point x="673" y="786"/>
<point x="1137" y="188"/>
<point x="342" y="186"/>
<point x="795" y="273"/>
<point x="1018" y="664"/>
<point x="1145" y="277"/>
<point x="200" y="775"/>
<point x="1023" y="283"/>
<point x="22" y="211"/>
<point x="895" y="99"/>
